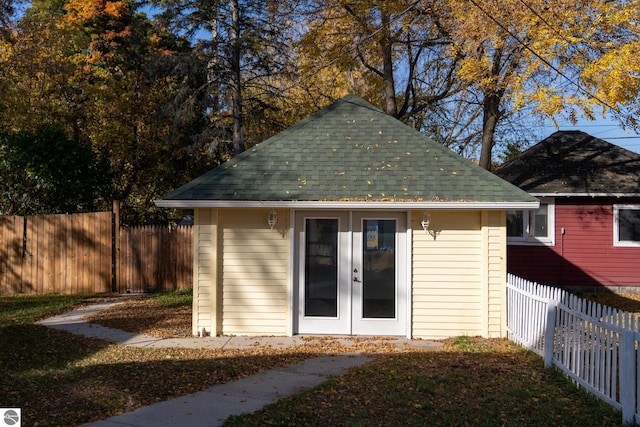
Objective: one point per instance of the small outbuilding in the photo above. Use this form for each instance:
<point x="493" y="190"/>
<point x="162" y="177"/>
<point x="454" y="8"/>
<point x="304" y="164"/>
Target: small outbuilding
<point x="350" y="223"/>
<point x="586" y="233"/>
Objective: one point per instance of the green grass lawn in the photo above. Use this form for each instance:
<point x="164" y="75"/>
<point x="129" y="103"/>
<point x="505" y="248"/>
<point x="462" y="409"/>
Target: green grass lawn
<point x="59" y="379"/>
<point x="474" y="383"/>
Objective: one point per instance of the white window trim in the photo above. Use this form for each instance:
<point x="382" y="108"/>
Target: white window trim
<point x="616" y="227"/>
<point x="550" y="240"/>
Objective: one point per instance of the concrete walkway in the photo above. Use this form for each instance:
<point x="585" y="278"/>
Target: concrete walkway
<point x="214" y="405"/>
<point x="75" y="322"/>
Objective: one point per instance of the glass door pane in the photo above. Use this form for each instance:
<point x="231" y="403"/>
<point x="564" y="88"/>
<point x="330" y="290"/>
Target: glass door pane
<point x="379" y="269"/>
<point x="321" y="267"/>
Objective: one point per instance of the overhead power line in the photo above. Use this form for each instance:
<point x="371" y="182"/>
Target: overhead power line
<point x="540" y="17"/>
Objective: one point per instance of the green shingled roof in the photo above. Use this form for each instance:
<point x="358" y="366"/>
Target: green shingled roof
<point x="349" y="151"/>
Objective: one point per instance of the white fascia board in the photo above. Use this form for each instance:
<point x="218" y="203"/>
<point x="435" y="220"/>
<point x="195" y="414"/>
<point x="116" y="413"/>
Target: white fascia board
<point x="618" y="195"/>
<point x="191" y="204"/>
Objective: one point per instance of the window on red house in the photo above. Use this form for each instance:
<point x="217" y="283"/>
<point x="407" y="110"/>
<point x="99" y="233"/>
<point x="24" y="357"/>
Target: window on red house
<point x="626" y="227"/>
<point x="533" y="227"/>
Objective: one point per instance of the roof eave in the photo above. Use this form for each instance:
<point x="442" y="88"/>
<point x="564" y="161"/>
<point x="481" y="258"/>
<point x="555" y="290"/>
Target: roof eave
<point x="191" y="204"/>
<point x="564" y="194"/>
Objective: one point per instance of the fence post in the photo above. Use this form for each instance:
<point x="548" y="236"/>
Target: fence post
<point x="627" y="376"/>
<point x="549" y="333"/>
<point x="115" y="246"/>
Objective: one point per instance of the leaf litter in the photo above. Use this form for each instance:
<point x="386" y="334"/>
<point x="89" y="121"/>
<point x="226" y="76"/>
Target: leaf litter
<point x="60" y="379"/>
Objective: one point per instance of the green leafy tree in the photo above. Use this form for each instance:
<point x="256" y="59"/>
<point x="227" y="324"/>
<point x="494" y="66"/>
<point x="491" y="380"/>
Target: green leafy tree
<point x="114" y="81"/>
<point x="46" y="173"/>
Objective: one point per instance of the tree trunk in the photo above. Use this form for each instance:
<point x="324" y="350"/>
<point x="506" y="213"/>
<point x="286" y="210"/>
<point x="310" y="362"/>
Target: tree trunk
<point x="387" y="65"/>
<point x="490" y="117"/>
<point x="213" y="66"/>
<point x="236" y="79"/>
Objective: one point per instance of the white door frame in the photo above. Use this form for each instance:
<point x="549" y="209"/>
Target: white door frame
<point x="379" y="326"/>
<point x="340" y="323"/>
<point x="345" y="323"/>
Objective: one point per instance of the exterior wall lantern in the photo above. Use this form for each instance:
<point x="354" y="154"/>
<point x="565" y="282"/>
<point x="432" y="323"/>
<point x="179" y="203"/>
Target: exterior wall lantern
<point x="272" y="219"/>
<point x="426" y="221"/>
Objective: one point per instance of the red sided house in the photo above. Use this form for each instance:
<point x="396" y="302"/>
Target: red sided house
<point x="586" y="232"/>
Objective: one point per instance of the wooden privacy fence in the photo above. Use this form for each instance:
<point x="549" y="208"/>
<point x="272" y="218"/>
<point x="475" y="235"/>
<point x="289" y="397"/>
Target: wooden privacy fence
<point x="595" y="345"/>
<point x="155" y="257"/>
<point x="56" y="253"/>
<point x="80" y="253"/>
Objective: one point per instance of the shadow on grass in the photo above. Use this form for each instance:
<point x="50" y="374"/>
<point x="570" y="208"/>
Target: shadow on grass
<point x="500" y="386"/>
<point x="626" y="302"/>
<point x="60" y="379"/>
<point x="25" y="309"/>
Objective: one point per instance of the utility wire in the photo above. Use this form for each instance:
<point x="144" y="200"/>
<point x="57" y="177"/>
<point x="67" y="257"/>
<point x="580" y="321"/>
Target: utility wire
<point x="554" y="29"/>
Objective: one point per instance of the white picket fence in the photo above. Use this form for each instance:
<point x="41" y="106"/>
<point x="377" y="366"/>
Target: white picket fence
<point x="595" y="345"/>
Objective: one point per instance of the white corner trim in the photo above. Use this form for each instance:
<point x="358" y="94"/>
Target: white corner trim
<point x="293" y="313"/>
<point x="409" y="278"/>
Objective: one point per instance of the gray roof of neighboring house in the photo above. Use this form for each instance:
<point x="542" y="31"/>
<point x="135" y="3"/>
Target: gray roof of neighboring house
<point x="574" y="162"/>
<point x="348" y="151"/>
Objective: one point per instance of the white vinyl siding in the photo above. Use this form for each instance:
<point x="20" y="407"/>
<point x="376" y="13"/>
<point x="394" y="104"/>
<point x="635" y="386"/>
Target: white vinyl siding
<point x="446" y="275"/>
<point x="457" y="271"/>
<point x="496" y="244"/>
<point x="242" y="273"/>
<point x="255" y="273"/>
<point x="205" y="286"/>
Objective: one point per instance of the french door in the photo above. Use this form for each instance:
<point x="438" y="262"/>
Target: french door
<point x="351" y="276"/>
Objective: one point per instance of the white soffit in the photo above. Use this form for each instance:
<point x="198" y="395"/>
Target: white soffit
<point x="190" y="204"/>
